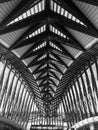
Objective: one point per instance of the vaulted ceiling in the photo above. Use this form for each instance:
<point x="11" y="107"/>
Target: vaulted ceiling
<point x="48" y="36"/>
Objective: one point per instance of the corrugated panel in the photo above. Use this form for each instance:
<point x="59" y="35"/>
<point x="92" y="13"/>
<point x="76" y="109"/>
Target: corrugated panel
<point x="38" y="82"/>
<point x="67" y="61"/>
<point x="33" y="68"/>
<point x="84" y="39"/>
<point x="74" y="52"/>
<point x="60" y="66"/>
<point x="36" y="75"/>
<point x="22" y="50"/>
<point x="55" y="80"/>
<point x="90" y="11"/>
<point x="6" y="8"/>
<point x="10" y="38"/>
<point x="28" y="60"/>
<point x="14" y="52"/>
<point x="57" y="73"/>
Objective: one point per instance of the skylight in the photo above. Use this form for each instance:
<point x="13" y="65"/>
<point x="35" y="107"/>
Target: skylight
<point x="56" y="31"/>
<point x="58" y="9"/>
<point x="38" y="31"/>
<point x="40" y="46"/>
<point x="33" y="10"/>
<point x="51" y="56"/>
<point x="54" y="46"/>
<point x="41" y="58"/>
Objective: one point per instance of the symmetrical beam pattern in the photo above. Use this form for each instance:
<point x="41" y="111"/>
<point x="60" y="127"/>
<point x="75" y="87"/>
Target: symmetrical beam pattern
<point x="42" y="80"/>
<point x="81" y="98"/>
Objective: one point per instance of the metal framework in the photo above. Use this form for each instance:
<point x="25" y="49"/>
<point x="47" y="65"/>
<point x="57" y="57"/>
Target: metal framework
<point x="48" y="60"/>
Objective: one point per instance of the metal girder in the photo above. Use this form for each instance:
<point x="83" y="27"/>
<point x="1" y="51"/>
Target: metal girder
<point x="73" y="9"/>
<point x="27" y="22"/>
<point x="69" y="35"/>
<point x="54" y="37"/>
<point x="42" y="61"/>
<point x="43" y="81"/>
<point x="45" y="60"/>
<point x="72" y="24"/>
<point x="44" y="69"/>
<point x="49" y="79"/>
<point x="46" y="94"/>
<point x="45" y="76"/>
<point x="60" y="60"/>
<point x="47" y="98"/>
<point x="64" y="51"/>
<point x="39" y="66"/>
<point x="53" y="82"/>
<point x="57" y="51"/>
<point x="54" y="69"/>
<point x="30" y="51"/>
<point x="54" y="107"/>
<point x="58" y="92"/>
<point x="92" y="2"/>
<point x="49" y="87"/>
<point x="35" y="60"/>
<point x="41" y="78"/>
<point x="23" y="6"/>
<point x="31" y="29"/>
<point x="74" y="68"/>
<point x="95" y="61"/>
<point x="62" y="56"/>
<point x="35" y="39"/>
<point x="42" y="37"/>
<point x="57" y="68"/>
<point x="51" y="76"/>
<point x="41" y="51"/>
<point x="39" y="18"/>
<point x="51" y="72"/>
<point x="41" y="75"/>
<point x="43" y="85"/>
<point x="43" y="89"/>
<point x="56" y="100"/>
<point x="38" y="62"/>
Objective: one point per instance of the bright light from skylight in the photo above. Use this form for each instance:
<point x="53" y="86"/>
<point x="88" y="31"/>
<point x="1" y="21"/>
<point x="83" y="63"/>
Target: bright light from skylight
<point x="33" y="10"/>
<point x="58" y="9"/>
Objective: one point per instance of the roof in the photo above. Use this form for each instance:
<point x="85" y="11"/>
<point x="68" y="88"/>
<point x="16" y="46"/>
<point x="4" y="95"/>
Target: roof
<point x="44" y="38"/>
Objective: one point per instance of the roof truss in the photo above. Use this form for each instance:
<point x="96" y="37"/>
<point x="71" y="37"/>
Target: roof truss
<point x="49" y="59"/>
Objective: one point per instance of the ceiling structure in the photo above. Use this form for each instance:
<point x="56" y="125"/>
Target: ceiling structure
<point x="47" y="37"/>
